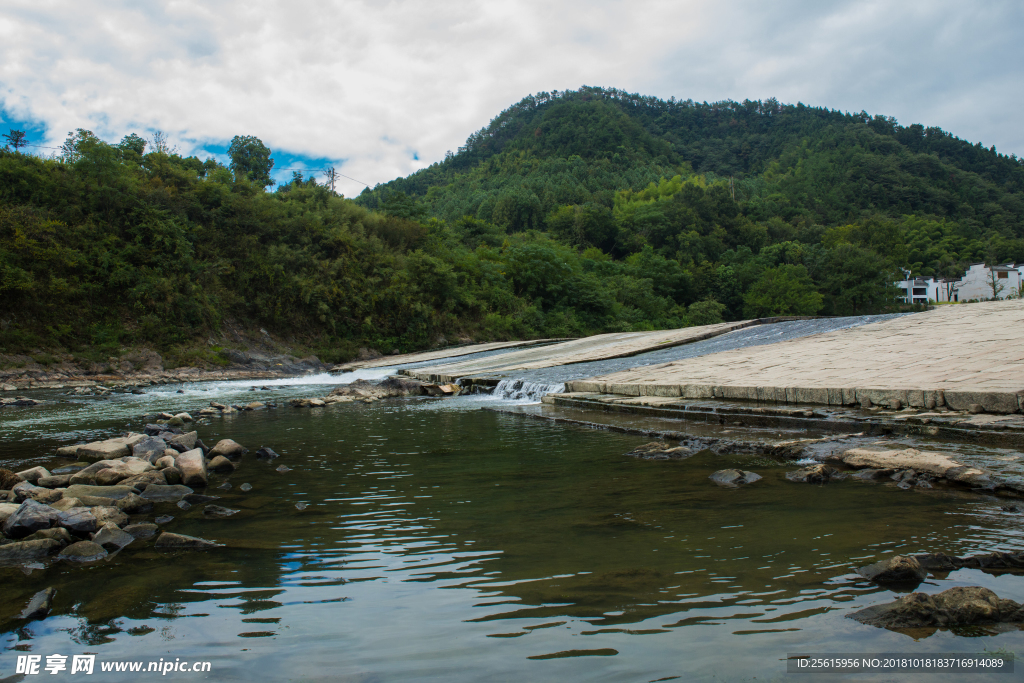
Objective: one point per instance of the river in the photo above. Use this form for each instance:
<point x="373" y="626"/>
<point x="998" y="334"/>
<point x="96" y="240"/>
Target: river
<point x="442" y="542"/>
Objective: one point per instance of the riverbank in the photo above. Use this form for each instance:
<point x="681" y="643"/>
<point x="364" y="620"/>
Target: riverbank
<point x="145" y="369"/>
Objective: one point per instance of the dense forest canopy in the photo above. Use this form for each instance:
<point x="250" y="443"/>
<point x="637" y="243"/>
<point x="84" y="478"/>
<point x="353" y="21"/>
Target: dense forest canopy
<point x="571" y="213"/>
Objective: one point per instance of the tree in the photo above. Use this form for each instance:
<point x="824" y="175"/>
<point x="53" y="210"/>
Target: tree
<point x="783" y="290"/>
<point x="133" y="143"/>
<point x="994" y="283"/>
<point x="250" y="159"/>
<point x="330" y="177"/>
<point x="16" y="139"/>
<point x="160" y="144"/>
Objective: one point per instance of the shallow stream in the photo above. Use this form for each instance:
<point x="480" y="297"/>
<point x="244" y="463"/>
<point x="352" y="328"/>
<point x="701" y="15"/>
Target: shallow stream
<point x="443" y="542"/>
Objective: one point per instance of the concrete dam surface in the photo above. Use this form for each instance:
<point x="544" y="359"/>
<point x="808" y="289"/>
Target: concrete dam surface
<point x="959" y="356"/>
<point x="599" y="347"/>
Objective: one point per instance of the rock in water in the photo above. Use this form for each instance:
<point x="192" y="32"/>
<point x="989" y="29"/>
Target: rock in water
<point x="245" y="487"/>
<point x="266" y="454"/>
<point x="33" y="474"/>
<point x="164" y="519"/>
<point x="169" y="541"/>
<point x="193" y="468"/>
<point x="112" y="538"/>
<point x="228" y="448"/>
<point x="82" y="490"/>
<point x="141" y="532"/>
<point x="79" y="521"/>
<point x="184" y="504"/>
<point x="105" y="514"/>
<point x="659" y="450"/>
<point x="83" y="551"/>
<point x="171" y="493"/>
<point x="734" y="478"/>
<point x="39" y="606"/>
<point x="218" y="511"/>
<point x="301" y="506"/>
<point x="134" y="504"/>
<point x="284" y="468"/>
<point x="188" y="441"/>
<point x="29" y="518"/>
<point x="220" y="464"/>
<point x="27" y="550"/>
<point x="895" y="570"/>
<point x="150" y="449"/>
<point x="226" y="486"/>
<point x="960" y="606"/>
<point x="55" y="533"/>
<point x="815" y="474"/>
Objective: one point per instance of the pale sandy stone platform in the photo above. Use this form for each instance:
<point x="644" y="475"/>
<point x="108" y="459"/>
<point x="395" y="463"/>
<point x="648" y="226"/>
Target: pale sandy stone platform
<point x="439" y="355"/>
<point x="955" y="355"/>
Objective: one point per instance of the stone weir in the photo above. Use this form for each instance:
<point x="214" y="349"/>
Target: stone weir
<point x="967" y="357"/>
<point x="488" y="370"/>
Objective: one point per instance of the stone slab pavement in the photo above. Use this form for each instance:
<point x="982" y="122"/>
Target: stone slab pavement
<point x="955" y="355"/>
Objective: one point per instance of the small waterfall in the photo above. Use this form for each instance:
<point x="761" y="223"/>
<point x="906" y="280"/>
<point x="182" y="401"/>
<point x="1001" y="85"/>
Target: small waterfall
<point x="522" y="390"/>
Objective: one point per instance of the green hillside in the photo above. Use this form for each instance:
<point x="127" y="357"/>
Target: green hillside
<point x="571" y="213"/>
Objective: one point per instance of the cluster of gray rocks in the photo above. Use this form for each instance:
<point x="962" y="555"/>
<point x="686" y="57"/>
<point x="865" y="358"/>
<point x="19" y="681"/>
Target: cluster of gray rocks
<point x="906" y="467"/>
<point x="84" y="512"/>
<point x="956" y="607"/>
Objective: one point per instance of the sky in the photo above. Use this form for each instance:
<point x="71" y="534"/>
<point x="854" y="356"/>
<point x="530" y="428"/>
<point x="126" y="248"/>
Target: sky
<point x="381" y="89"/>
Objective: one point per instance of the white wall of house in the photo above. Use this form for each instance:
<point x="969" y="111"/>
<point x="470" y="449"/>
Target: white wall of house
<point x="977" y="282"/>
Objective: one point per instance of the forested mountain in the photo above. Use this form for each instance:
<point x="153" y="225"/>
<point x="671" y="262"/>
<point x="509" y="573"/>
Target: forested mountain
<point x="571" y="213"/>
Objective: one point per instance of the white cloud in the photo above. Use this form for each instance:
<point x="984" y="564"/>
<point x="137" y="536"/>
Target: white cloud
<point x="375" y="83"/>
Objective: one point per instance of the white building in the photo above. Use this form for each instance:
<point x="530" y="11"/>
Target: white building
<point x="980" y="282"/>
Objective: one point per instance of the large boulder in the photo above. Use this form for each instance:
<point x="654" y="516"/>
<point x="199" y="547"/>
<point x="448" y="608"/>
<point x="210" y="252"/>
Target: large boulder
<point x="895" y="570"/>
<point x="34" y="474"/>
<point x="169" y="541"/>
<point x="959" y="606"/>
<point x="109" y="514"/>
<point x="6" y="510"/>
<point x="111" y="537"/>
<point x="110" y="449"/>
<point x="142" y="481"/>
<point x="165" y="494"/>
<point x="186" y="441"/>
<point x="142" y="531"/>
<point x="193" y="468"/>
<point x="87" y="475"/>
<point x="220" y="464"/>
<point x="54" y="481"/>
<point x="28" y="550"/>
<point x="134" y="505"/>
<point x="55" y="533"/>
<point x="734" y="478"/>
<point x="114" y="492"/>
<point x="228" y="448"/>
<point x="150" y="448"/>
<point x="30" y="517"/>
<point x="935" y="464"/>
<point x="83" y="551"/>
<point x="80" y="521"/>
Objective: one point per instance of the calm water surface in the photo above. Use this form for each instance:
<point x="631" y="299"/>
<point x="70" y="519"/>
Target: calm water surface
<point x="442" y="542"/>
